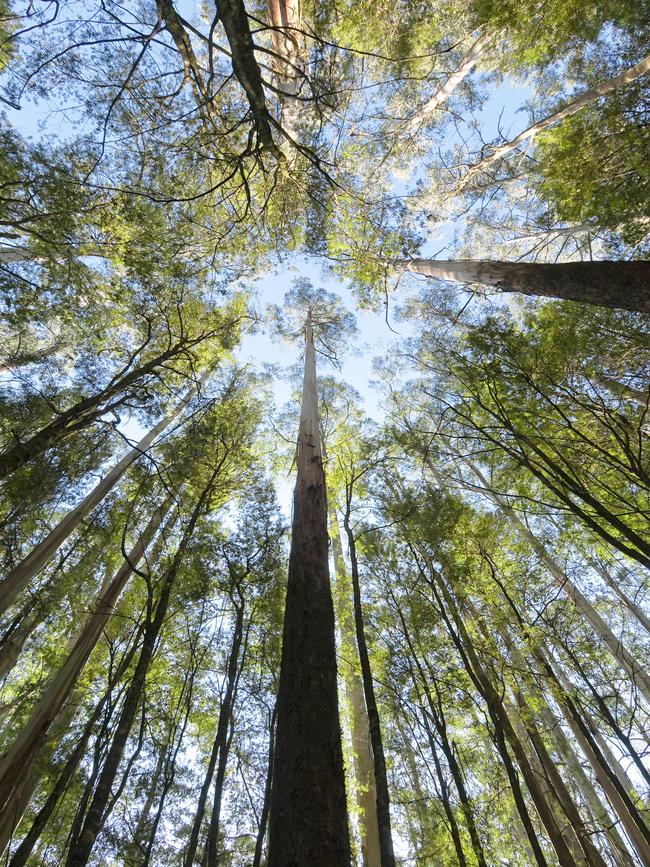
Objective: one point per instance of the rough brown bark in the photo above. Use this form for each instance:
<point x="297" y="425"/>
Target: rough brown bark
<point x="620" y="285"/>
<point x="308" y="811"/>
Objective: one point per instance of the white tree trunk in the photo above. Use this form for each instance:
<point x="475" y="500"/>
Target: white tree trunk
<point x="19" y="577"/>
<point x="19" y="758"/>
<point x="573" y="107"/>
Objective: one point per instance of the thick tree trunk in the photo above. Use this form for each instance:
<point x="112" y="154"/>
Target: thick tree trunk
<point x="381" y="780"/>
<point x="308" y="815"/>
<point x="362" y="759"/>
<point x="573" y="107"/>
<point x="288" y="44"/>
<point x="18" y="578"/>
<point x="444" y="91"/>
<point x="20" y="756"/>
<point x="620" y="285"/>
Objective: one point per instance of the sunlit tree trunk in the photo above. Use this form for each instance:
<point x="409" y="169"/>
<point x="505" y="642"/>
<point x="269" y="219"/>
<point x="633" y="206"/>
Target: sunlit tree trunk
<point x="442" y="93"/>
<point x="308" y="813"/>
<point x="573" y="107"/>
<point x="629" y="603"/>
<point x="96" y="816"/>
<point x="20" y="756"/>
<point x="613" y="644"/>
<point x="19" y="577"/>
<point x="374" y="722"/>
<point x="364" y="777"/>
<point x="621" y="285"/>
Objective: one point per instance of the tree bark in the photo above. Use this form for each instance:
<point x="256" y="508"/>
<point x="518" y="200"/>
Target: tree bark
<point x="444" y="91"/>
<point x="19" y="577"/>
<point x="362" y="759"/>
<point x="573" y="107"/>
<point x="264" y="815"/>
<point x="87" y="410"/>
<point x="20" y="756"/>
<point x="96" y="816"/>
<point x="308" y="814"/>
<point x="381" y="780"/>
<point x="619" y="285"/>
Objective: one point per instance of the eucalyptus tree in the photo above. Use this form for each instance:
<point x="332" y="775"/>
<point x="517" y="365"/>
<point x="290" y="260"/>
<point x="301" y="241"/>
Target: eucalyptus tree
<point x="308" y="814"/>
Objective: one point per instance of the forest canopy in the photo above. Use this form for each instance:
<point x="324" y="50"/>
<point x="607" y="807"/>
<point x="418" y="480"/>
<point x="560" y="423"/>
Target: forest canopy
<point x="324" y="416"/>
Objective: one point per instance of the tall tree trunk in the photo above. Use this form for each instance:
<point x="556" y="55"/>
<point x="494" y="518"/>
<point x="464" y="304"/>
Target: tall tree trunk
<point x="502" y="724"/>
<point x="86" y="411"/>
<point x="363" y="764"/>
<point x="18" y="578"/>
<point x="620" y="285"/>
<point x="627" y="392"/>
<point x="381" y="779"/>
<point x="289" y="68"/>
<point x="12" y="647"/>
<point x="20" y="756"/>
<point x="308" y="814"/>
<point x="444" y="91"/>
<point x="613" y="644"/>
<point x="264" y="815"/>
<point x="95" y="818"/>
<point x="614" y="585"/>
<point x="219" y="743"/>
<point x="573" y="107"/>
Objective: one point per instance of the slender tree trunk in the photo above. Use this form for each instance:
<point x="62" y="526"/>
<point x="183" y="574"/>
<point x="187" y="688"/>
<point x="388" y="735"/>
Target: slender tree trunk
<point x="309" y="824"/>
<point x="264" y="815"/>
<point x="630" y="604"/>
<point x="374" y="722"/>
<point x="627" y="392"/>
<point x="22" y="753"/>
<point x="442" y="93"/>
<point x="621" y="285"/>
<point x="499" y="716"/>
<point x="219" y="752"/>
<point x="573" y="107"/>
<point x="19" y="577"/>
<point x="364" y="776"/>
<point x="12" y="647"/>
<point x="85" y="412"/>
<point x="21" y="359"/>
<point x="613" y="644"/>
<point x="565" y="749"/>
<point x="96" y="816"/>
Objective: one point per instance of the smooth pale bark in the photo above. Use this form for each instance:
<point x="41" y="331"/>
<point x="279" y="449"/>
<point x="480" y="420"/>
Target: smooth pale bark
<point x="21" y="359"/>
<point x="374" y="723"/>
<point x="442" y="93"/>
<point x="635" y="670"/>
<point x="308" y="811"/>
<point x="20" y="756"/>
<point x="585" y="99"/>
<point x="19" y="577"/>
<point x="622" y="805"/>
<point x="619" y="285"/>
<point x="566" y="751"/>
<point x="12" y="647"/>
<point x="364" y="777"/>
<point x="101" y="803"/>
<point x="627" y="392"/>
<point x="629" y="603"/>
<point x="289" y="67"/>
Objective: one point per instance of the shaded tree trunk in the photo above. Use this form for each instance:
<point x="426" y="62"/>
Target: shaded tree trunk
<point x="308" y="813"/>
<point x="264" y="815"/>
